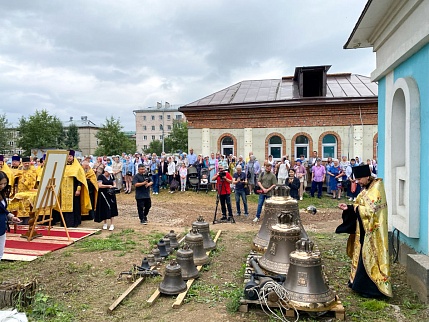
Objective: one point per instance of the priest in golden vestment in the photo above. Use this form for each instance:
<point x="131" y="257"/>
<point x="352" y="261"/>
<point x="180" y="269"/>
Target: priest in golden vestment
<point x="74" y="196"/>
<point x="366" y="222"/>
<point x="91" y="179"/>
<point x="27" y="180"/>
<point x="5" y="168"/>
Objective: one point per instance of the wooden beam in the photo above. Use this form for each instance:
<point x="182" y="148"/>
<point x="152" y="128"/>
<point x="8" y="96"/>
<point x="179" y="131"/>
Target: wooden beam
<point x="181" y="296"/>
<point x="125" y="294"/>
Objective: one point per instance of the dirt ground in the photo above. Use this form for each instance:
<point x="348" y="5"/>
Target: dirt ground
<point x="86" y="282"/>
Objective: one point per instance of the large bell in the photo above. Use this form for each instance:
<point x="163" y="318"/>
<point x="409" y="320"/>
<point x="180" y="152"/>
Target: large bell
<point x="283" y="237"/>
<point x="195" y="241"/>
<point x="203" y="228"/>
<point x="281" y="200"/>
<point x="305" y="283"/>
<point x="156" y="253"/>
<point x="172" y="283"/>
<point x="162" y="250"/>
<point x="167" y="244"/>
<point x="173" y="239"/>
<point x="185" y="258"/>
<point x="151" y="260"/>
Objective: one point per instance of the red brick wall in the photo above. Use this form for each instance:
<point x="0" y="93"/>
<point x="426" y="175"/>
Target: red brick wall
<point x="305" y="116"/>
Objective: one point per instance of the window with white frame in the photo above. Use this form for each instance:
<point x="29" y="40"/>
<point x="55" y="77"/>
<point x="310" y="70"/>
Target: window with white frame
<point x="168" y="116"/>
<point x="329" y="146"/>
<point x="227" y="146"/>
<point x="145" y="137"/>
<point x="275" y="147"/>
<point x="301" y="146"/>
<point x="153" y="117"/>
<point x="153" y="137"/>
<point x="153" y="127"/>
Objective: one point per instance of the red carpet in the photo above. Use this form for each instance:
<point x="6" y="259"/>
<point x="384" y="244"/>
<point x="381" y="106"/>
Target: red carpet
<point x="18" y="248"/>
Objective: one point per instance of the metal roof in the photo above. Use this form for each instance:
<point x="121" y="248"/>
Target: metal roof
<point x="339" y="86"/>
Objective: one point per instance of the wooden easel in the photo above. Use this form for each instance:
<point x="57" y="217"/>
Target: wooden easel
<point x="47" y="204"/>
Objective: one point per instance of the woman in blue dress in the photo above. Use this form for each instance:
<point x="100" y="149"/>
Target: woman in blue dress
<point x="335" y="172"/>
<point x="213" y="165"/>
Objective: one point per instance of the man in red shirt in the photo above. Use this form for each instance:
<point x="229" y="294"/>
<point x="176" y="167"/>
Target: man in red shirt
<point x="223" y="182"/>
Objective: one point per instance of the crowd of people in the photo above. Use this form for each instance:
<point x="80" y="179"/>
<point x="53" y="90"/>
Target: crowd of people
<point x="90" y="183"/>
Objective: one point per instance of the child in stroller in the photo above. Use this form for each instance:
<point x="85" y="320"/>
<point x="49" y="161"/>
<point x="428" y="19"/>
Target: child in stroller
<point x="204" y="180"/>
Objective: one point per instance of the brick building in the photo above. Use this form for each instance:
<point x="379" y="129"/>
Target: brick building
<point x="334" y="114"/>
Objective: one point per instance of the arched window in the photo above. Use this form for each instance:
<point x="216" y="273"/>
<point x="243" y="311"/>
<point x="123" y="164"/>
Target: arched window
<point x="329" y="146"/>
<point x="275" y="147"/>
<point x="227" y="146"/>
<point x="301" y="146"/>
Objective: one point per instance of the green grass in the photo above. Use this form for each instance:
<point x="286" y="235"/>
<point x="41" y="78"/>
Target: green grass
<point x="116" y="241"/>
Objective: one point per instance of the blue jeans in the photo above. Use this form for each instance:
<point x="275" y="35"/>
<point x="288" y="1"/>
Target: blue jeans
<point x="155" y="179"/>
<point x="261" y="201"/>
<point x="242" y="194"/>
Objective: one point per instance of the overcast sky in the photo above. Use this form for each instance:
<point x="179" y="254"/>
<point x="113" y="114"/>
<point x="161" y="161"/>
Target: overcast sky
<point x="102" y="58"/>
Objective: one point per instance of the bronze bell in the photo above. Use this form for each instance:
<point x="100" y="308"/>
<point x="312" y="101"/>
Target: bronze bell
<point x="283" y="237"/>
<point x="281" y="200"/>
<point x="173" y="240"/>
<point x="162" y="249"/>
<point x="151" y="260"/>
<point x="145" y="264"/>
<point x="305" y="283"/>
<point x="172" y="283"/>
<point x="167" y="244"/>
<point x="156" y="253"/>
<point x="203" y="228"/>
<point x="195" y="241"/>
<point x="185" y="258"/>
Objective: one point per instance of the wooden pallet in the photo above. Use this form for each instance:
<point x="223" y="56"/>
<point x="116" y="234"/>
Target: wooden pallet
<point x="336" y="309"/>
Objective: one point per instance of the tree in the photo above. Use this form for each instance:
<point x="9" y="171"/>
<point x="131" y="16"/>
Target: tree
<point x="40" y="130"/>
<point x="72" y="138"/>
<point x="155" y="147"/>
<point x="5" y="134"/>
<point x="178" y="137"/>
<point x="112" y="140"/>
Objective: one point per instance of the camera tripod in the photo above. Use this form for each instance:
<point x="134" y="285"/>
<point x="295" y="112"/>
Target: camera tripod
<point x="215" y="221"/>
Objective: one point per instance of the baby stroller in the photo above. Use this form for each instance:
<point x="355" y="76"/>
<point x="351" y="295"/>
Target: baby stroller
<point x="204" y="180"/>
<point x="193" y="178"/>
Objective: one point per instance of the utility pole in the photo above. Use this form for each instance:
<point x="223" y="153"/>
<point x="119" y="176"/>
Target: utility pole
<point x="159" y="106"/>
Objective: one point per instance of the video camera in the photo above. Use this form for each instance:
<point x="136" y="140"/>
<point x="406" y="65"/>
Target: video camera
<point x="222" y="174"/>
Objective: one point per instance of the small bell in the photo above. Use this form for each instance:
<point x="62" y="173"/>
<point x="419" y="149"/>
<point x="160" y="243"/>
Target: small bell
<point x="173" y="239"/>
<point x="185" y="258"/>
<point x="195" y="241"/>
<point x="156" y="253"/>
<point x="173" y="283"/>
<point x="151" y="260"/>
<point x="145" y="264"/>
<point x="161" y="247"/>
<point x="203" y="228"/>
<point x="167" y="244"/>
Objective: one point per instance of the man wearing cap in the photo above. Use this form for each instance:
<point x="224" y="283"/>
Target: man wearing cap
<point x="366" y="222"/>
<point x="223" y="184"/>
<point x="318" y="174"/>
<point x="74" y="196"/>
